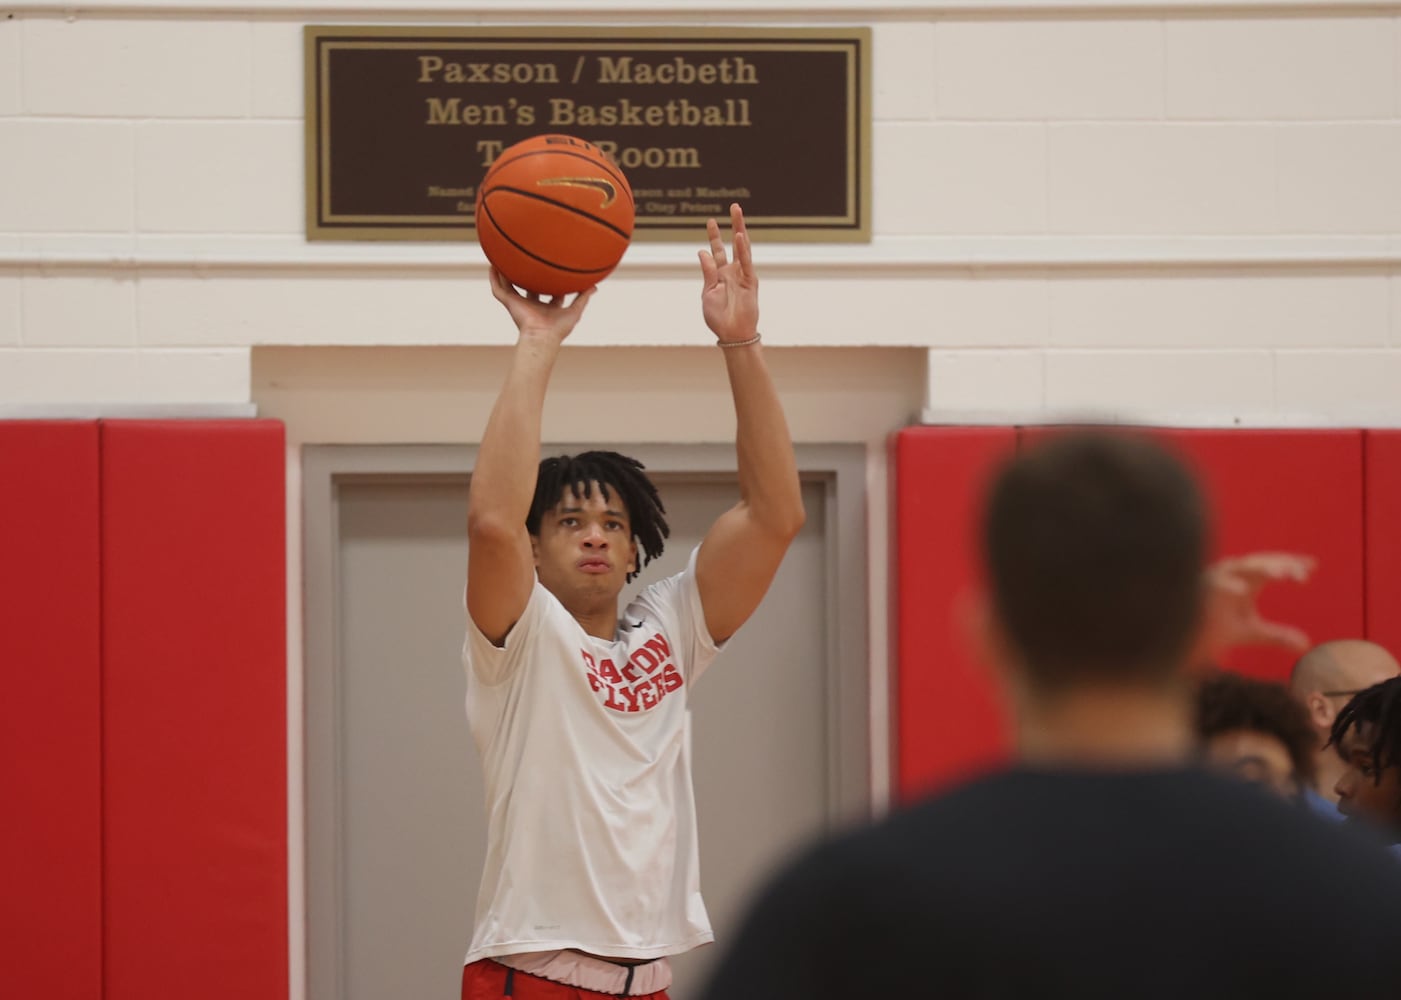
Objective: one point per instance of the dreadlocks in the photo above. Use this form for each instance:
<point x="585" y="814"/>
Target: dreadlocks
<point x="614" y="473"/>
<point x="1378" y="707"/>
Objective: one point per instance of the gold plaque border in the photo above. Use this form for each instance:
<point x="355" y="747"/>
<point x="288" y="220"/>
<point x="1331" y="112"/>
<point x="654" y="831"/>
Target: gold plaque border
<point x="856" y="41"/>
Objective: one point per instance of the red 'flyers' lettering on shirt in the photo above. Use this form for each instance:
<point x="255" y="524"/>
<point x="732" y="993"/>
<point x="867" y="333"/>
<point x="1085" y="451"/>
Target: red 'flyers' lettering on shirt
<point x="646" y="677"/>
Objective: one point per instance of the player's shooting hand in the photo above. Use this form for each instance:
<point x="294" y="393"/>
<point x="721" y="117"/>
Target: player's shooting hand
<point x="535" y="316"/>
<point x="1233" y="586"/>
<point x="730" y="289"/>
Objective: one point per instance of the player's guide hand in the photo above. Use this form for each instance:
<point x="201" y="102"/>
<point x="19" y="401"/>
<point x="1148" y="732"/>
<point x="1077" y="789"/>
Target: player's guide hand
<point x="729" y="288"/>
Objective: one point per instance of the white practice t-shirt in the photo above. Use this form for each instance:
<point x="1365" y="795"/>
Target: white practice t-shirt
<point x="585" y="745"/>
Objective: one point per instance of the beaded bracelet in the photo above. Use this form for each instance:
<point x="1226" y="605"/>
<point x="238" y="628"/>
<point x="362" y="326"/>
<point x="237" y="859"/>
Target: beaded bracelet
<point x="726" y="344"/>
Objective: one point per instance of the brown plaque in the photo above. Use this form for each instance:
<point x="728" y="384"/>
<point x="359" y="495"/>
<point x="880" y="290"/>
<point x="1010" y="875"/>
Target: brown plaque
<point x="402" y="123"/>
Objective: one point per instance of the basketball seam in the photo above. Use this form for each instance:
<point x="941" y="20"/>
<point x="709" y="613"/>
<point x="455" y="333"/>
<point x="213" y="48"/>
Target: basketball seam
<point x="535" y="256"/>
<point x="550" y="201"/>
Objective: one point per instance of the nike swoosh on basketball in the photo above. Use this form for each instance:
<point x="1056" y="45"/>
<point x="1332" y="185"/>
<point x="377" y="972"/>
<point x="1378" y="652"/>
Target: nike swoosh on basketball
<point x="606" y="188"/>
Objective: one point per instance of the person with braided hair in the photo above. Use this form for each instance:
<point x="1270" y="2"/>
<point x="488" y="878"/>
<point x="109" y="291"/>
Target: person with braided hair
<point x="1367" y="736"/>
<point x="580" y="716"/>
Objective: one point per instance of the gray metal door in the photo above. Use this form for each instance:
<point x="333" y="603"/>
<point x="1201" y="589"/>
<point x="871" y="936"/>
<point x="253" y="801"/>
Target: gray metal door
<point x="403" y="818"/>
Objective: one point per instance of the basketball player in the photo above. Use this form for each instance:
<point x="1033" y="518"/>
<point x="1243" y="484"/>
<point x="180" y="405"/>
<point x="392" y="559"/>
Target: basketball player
<point x="1101" y="865"/>
<point x="591" y="876"/>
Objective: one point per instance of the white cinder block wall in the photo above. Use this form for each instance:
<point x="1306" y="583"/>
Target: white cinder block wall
<point x="1149" y="211"/>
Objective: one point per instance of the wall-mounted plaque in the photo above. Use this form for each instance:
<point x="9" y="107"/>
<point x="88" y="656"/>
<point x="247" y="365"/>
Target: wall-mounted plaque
<point x="401" y="124"/>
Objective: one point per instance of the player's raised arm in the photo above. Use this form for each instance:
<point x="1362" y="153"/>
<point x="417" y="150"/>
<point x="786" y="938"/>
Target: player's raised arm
<point x="500" y="566"/>
<point x="742" y="550"/>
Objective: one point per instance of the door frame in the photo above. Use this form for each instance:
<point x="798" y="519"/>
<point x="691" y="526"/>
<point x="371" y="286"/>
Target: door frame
<point x="841" y="468"/>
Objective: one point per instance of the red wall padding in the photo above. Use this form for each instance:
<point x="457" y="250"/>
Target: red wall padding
<point x="194" y="714"/>
<point x="50" y="753"/>
<point x="1383" y="451"/>
<point x="949" y="722"/>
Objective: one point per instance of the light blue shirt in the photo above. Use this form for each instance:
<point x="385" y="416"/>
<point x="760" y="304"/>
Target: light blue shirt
<point x="1320" y="806"/>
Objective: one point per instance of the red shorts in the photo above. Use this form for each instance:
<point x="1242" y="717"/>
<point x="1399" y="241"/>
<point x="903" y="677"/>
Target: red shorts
<point x="488" y="980"/>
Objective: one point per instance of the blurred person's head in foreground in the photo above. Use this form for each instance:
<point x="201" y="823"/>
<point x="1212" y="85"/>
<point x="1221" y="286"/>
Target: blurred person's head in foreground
<point x="1094" y="547"/>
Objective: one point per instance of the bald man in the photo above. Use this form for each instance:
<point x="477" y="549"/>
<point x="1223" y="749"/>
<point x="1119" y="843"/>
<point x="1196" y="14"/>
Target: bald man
<point x="1323" y="680"/>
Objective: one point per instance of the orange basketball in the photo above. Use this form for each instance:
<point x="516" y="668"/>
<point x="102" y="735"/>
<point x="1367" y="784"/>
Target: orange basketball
<point x="554" y="214"/>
